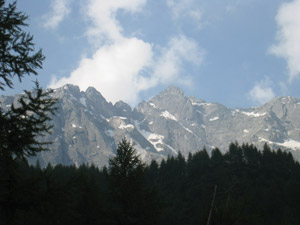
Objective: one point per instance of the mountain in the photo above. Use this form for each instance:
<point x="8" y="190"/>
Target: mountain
<point x="87" y="128"/>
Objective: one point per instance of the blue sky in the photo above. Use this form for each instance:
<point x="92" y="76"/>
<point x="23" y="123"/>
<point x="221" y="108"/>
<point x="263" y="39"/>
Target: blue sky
<point x="239" y="53"/>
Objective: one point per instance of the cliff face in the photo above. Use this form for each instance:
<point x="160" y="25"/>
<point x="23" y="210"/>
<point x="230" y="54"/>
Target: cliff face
<point x="87" y="128"/>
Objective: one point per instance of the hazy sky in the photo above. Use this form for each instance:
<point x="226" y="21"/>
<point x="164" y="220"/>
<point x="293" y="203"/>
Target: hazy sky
<point x="236" y="52"/>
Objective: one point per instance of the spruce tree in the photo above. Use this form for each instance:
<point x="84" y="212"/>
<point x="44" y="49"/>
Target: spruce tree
<point x="17" y="55"/>
<point x="22" y="124"/>
<point x="133" y="201"/>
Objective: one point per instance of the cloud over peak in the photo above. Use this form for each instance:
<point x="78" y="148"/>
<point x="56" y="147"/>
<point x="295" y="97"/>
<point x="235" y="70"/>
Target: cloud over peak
<point x="262" y="91"/>
<point x="122" y="67"/>
<point x="102" y="14"/>
<point x="288" y="36"/>
<point x="113" y="70"/>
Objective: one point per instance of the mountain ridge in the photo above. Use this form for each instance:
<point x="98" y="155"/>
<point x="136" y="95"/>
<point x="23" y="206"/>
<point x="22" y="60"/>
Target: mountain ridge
<point x="87" y="128"/>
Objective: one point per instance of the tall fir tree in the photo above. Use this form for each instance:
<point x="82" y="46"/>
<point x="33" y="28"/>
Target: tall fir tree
<point x="21" y="125"/>
<point x="133" y="201"/>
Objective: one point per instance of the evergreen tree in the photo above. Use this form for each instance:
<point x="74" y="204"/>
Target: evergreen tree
<point x="17" y="55"/>
<point x="21" y="125"/>
<point x="134" y="202"/>
<point x="125" y="162"/>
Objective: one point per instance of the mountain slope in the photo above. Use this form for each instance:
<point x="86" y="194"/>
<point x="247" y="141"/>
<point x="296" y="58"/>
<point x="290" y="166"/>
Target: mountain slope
<point x="87" y="128"/>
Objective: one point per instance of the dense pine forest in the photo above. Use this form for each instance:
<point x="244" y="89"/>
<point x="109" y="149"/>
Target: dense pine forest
<point x="242" y="186"/>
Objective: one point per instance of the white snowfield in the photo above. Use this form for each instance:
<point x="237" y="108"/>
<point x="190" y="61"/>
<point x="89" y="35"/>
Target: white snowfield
<point x="154" y="139"/>
<point x="187" y="129"/>
<point x="292" y="144"/>
<point x="153" y="105"/>
<point x="214" y="118"/>
<point x="83" y="101"/>
<point x="201" y="103"/>
<point x="252" y="114"/>
<point x="126" y="126"/>
<point x="168" y="115"/>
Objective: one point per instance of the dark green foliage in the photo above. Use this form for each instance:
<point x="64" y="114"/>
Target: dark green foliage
<point x="133" y="201"/>
<point x="259" y="188"/>
<point x="25" y="122"/>
<point x="20" y="128"/>
<point x="125" y="163"/>
<point x="22" y="125"/>
<point x="17" y="56"/>
<point x="254" y="187"/>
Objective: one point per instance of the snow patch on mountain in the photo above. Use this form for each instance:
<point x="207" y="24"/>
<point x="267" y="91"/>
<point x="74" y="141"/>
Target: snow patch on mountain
<point x="214" y="118"/>
<point x="291" y="144"/>
<point x="120" y="117"/>
<point x="126" y="126"/>
<point x="153" y="105"/>
<point x="201" y="103"/>
<point x="83" y="101"/>
<point x="187" y="129"/>
<point x="168" y="115"/>
<point x="172" y="149"/>
<point x="155" y="139"/>
<point x="252" y="114"/>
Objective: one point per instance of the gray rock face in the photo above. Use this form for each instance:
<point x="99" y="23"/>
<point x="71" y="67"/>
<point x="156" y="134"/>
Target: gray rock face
<point x="87" y="128"/>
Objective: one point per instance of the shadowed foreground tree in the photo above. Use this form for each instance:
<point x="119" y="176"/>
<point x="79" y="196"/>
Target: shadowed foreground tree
<point x="17" y="55"/>
<point x="23" y="123"/>
<point x="133" y="201"/>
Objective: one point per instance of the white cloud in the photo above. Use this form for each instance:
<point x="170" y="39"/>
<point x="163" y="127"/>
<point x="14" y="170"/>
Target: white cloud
<point x="113" y="70"/>
<point x="288" y="36"/>
<point x="169" y="66"/>
<point x="117" y="70"/>
<point x="123" y="67"/>
<point x="102" y="14"/>
<point x="188" y="8"/>
<point x="262" y="91"/>
<point x="179" y="6"/>
<point x="59" y="10"/>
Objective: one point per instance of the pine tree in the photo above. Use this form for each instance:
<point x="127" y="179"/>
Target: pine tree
<point x="133" y="201"/>
<point x="24" y="123"/>
<point x="17" y="56"/>
<point x="125" y="162"/>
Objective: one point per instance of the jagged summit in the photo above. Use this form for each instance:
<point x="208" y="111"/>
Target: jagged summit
<point x="87" y="128"/>
<point x="93" y="93"/>
<point x="172" y="90"/>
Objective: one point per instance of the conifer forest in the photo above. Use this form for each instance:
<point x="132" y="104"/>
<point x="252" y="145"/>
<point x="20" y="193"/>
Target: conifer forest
<point x="243" y="186"/>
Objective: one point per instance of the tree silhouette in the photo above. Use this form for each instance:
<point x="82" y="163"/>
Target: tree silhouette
<point x="17" y="56"/>
<point x="125" y="162"/>
<point x="134" y="201"/>
<point x="23" y="123"/>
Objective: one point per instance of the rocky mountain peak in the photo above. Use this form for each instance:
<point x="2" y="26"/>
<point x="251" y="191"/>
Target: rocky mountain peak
<point x="88" y="128"/>
<point x="122" y="105"/>
<point x="92" y="93"/>
<point x="68" y="89"/>
<point x="174" y="91"/>
<point x="170" y="98"/>
<point x="122" y="108"/>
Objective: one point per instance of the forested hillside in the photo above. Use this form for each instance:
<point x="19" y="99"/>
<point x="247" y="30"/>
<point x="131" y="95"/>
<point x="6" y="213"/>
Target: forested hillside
<point x="251" y="187"/>
<point x="243" y="186"/>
